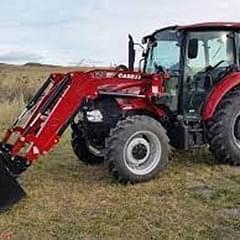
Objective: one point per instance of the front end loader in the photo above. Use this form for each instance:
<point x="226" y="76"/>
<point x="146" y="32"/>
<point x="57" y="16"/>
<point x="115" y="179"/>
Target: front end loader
<point x="185" y="95"/>
<point x="40" y="126"/>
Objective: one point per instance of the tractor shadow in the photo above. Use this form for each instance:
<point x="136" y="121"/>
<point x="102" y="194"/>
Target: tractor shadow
<point x="194" y="156"/>
<point x="75" y="170"/>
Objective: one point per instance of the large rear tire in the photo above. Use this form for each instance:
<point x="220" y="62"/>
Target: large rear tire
<point x="224" y="130"/>
<point x="137" y="149"/>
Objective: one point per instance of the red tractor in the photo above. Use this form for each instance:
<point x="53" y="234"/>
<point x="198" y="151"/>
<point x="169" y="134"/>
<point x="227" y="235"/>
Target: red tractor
<point x="185" y="94"/>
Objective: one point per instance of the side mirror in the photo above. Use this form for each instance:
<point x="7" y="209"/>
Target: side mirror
<point x="193" y="48"/>
<point x="131" y="53"/>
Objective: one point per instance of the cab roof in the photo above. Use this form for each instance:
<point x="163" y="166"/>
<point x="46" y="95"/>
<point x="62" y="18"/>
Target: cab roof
<point x="211" y="25"/>
<point x="200" y="26"/>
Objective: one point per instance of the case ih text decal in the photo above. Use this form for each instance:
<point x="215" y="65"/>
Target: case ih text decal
<point x="130" y="76"/>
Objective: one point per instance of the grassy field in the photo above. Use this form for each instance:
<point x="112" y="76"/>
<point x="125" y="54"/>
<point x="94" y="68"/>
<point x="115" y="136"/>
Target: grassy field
<point x="193" y="199"/>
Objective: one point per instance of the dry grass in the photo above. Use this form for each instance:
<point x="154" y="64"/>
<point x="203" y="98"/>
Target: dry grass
<point x="18" y="84"/>
<point x="193" y="199"/>
<point x="25" y="80"/>
<point x="10" y="109"/>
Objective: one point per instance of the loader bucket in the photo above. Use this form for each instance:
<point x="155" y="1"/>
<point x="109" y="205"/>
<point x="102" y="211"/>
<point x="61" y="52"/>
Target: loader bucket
<point x="10" y="191"/>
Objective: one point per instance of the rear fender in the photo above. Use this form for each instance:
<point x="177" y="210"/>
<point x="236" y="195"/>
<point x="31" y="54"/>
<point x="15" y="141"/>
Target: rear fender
<point x="230" y="82"/>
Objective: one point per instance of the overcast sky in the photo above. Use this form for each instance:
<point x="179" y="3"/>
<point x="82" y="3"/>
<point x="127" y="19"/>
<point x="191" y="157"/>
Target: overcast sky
<point x="94" y="31"/>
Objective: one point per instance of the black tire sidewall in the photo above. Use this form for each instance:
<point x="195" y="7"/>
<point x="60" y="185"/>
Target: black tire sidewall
<point x="123" y="136"/>
<point x="81" y="150"/>
<point x="220" y="129"/>
<point x="228" y="124"/>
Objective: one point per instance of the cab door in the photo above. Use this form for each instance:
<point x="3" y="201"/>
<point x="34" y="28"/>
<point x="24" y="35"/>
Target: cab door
<point x="208" y="55"/>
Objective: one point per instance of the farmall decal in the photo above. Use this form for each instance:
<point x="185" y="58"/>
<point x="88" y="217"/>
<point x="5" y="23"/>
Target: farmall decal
<point x="130" y="76"/>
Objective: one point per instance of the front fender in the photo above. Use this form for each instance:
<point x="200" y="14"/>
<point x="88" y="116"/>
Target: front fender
<point x="142" y="106"/>
<point x="218" y="92"/>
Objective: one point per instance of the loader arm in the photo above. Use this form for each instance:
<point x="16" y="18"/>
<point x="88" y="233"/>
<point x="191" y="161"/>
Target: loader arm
<point x="50" y="112"/>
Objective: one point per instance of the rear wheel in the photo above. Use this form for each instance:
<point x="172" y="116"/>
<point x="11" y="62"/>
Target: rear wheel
<point x="137" y="149"/>
<point x="224" y="129"/>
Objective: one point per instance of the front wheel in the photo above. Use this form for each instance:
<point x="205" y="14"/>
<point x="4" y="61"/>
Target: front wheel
<point x="137" y="149"/>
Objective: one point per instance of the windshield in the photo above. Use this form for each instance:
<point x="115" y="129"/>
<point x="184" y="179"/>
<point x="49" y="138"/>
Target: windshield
<point x="163" y="52"/>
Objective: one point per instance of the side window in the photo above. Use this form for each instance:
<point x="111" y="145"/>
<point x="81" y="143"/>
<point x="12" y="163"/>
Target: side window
<point x="220" y="49"/>
<point x="238" y="44"/>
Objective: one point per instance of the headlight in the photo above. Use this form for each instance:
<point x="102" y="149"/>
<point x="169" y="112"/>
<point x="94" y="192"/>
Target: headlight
<point x="94" y="116"/>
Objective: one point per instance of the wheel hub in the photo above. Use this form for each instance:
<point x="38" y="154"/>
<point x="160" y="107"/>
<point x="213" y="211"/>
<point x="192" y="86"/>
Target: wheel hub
<point x="237" y="129"/>
<point x="139" y="151"/>
<point x="142" y="152"/>
<point x="96" y="150"/>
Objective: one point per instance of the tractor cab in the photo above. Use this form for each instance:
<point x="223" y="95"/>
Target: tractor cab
<point x="195" y="57"/>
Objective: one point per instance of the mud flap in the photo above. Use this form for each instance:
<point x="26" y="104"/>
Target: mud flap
<point x="10" y="191"/>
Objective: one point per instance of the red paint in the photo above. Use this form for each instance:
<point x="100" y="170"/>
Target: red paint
<point x="220" y="90"/>
<point x="42" y="129"/>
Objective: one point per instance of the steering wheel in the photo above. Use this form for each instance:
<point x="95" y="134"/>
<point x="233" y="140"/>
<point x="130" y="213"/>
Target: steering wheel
<point x="159" y="68"/>
<point x="121" y="68"/>
<point x="210" y="68"/>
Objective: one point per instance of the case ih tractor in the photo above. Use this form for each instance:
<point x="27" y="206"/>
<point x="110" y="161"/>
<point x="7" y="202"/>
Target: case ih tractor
<point x="185" y="94"/>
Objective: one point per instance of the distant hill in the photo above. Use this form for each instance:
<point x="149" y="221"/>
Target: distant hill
<point x="29" y="64"/>
<point x="33" y="64"/>
<point x="5" y="64"/>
